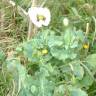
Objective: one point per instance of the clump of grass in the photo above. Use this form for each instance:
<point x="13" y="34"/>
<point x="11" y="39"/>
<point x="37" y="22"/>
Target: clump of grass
<point x="5" y="82"/>
<point x="14" y="28"/>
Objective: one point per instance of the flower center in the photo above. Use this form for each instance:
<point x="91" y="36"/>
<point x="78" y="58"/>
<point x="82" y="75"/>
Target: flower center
<point x="40" y="17"/>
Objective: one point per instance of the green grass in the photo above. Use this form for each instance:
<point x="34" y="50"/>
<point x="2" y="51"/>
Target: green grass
<point x="15" y="28"/>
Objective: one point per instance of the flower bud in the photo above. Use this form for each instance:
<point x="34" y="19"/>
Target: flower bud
<point x="65" y="21"/>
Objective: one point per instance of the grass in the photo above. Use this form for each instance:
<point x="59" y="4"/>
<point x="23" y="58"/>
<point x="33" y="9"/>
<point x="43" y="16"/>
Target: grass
<point x="14" y="28"/>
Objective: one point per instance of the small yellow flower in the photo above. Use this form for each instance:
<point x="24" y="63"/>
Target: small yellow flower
<point x="86" y="46"/>
<point x="45" y="51"/>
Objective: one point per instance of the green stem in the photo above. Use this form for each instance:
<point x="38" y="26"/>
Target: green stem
<point x="89" y="72"/>
<point x="94" y="31"/>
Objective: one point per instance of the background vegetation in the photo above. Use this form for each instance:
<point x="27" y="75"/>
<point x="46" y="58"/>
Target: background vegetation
<point x="14" y="29"/>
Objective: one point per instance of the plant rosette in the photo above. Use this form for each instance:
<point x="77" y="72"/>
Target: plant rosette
<point x="39" y="16"/>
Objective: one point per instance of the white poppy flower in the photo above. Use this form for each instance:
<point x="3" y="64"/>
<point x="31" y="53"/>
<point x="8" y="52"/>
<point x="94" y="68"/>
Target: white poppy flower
<point x="39" y="16"/>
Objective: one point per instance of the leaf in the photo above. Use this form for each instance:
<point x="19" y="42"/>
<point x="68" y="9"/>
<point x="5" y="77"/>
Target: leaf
<point x="86" y="81"/>
<point x="59" y="90"/>
<point x="78" y="70"/>
<point x="27" y="50"/>
<point x="80" y="35"/>
<point x="44" y="86"/>
<point x="59" y="53"/>
<point x="77" y="92"/>
<point x="30" y="51"/>
<point x="62" y="54"/>
<point x="19" y="73"/>
<point x="74" y="44"/>
<point x="91" y="60"/>
<point x="69" y="37"/>
<point x="73" y="38"/>
<point x="55" y="41"/>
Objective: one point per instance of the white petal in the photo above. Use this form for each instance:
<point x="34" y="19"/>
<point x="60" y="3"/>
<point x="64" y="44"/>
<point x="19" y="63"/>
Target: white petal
<point x="47" y="15"/>
<point x="33" y="13"/>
